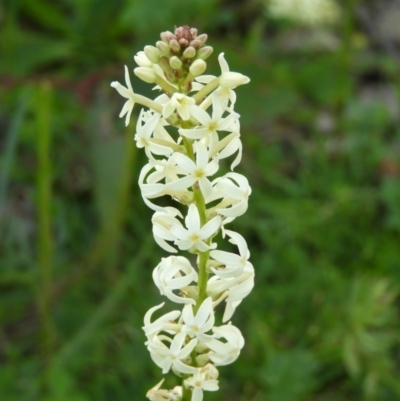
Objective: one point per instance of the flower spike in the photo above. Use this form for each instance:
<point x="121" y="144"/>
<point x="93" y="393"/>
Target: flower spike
<point x="183" y="165"/>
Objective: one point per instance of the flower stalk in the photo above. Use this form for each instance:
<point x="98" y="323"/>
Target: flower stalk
<point x="183" y="163"/>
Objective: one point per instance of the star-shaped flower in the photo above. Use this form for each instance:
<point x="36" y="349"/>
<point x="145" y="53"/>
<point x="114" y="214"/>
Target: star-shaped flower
<point x="200" y="383"/>
<point x="126" y="93"/>
<point x="197" y="325"/>
<point x="167" y="358"/>
<point x="195" y="171"/>
<point x="194" y="236"/>
<point x="174" y="273"/>
<point x="233" y="264"/>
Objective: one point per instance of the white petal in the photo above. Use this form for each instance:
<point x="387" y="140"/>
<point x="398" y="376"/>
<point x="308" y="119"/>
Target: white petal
<point x="222" y="63"/>
<point x="230" y="190"/>
<point x="210" y="385"/>
<point x="205" y="187"/>
<point x="197" y="394"/>
<point x="184" y="162"/>
<point x="235" y="211"/>
<point x="204" y="312"/>
<point x="226" y="258"/>
<point x="210" y="227"/>
<point x="195" y="133"/>
<point x="192" y="219"/>
<point x="187" y="315"/>
<point x="164" y="245"/>
<point x="128" y="80"/>
<point x="201" y="155"/>
<point x="200" y="115"/>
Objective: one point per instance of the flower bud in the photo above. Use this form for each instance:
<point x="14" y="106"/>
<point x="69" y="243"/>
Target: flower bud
<point x="152" y="53"/>
<point x="198" y="67"/>
<point x="163" y="48"/>
<point x="202" y="38"/>
<point x="175" y="46"/>
<point x="175" y="63"/>
<point x="211" y="371"/>
<point x="202" y="359"/>
<point x="145" y="74"/>
<point x="201" y="347"/>
<point x="232" y="79"/>
<point x="204" y="53"/>
<point x="193" y="32"/>
<point x="142" y="60"/>
<point x="189" y="52"/>
<point x="183" y="42"/>
<point x="195" y="43"/>
<point x="167" y="36"/>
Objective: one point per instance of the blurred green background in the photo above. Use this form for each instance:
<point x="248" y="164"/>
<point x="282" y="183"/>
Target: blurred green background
<point x="320" y="128"/>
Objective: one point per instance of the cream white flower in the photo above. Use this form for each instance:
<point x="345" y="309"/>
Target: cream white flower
<point x="158" y="394"/>
<point x="144" y="135"/>
<point x="210" y="370"/>
<point x="197" y="325"/>
<point x="210" y="125"/>
<point x="227" y="147"/>
<point x="166" y="169"/>
<point x="194" y="236"/>
<point x="184" y="105"/>
<point x="174" y="273"/>
<point x="126" y="93"/>
<point x="236" y="195"/>
<point x="233" y="264"/>
<point x="172" y="356"/>
<point x="162" y="223"/>
<point x="228" y="79"/>
<point x="224" y="353"/>
<point x="165" y="322"/>
<point x="200" y="383"/>
<point x="151" y="189"/>
<point x="234" y="290"/>
<point x="242" y="287"/>
<point x="195" y="171"/>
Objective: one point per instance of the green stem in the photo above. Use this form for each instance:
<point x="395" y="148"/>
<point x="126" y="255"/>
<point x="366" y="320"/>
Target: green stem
<point x="188" y="147"/>
<point x="203" y="256"/>
<point x="186" y="393"/>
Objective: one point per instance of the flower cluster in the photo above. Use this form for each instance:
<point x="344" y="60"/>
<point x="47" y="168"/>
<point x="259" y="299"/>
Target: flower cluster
<point x="307" y="12"/>
<point x="184" y="144"/>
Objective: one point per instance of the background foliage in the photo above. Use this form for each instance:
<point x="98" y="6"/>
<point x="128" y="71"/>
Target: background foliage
<point x="320" y="126"/>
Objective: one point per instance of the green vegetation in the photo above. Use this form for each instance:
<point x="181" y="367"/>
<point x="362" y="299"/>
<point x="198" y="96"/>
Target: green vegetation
<point x="320" y="128"/>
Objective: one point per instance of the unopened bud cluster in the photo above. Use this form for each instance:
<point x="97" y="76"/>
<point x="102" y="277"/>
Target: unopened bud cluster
<point x="184" y="143"/>
<point x="179" y="57"/>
